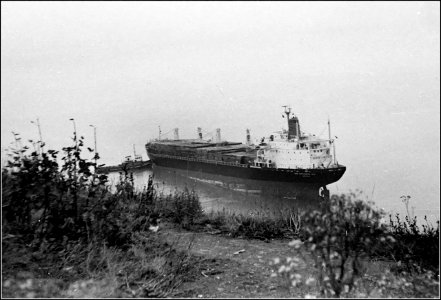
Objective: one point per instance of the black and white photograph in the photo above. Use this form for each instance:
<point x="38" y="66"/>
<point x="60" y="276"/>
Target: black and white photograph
<point x="220" y="149"/>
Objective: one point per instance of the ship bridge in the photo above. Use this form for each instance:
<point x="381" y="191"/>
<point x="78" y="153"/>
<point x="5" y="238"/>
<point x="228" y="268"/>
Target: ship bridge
<point x="293" y="150"/>
<point x="304" y="154"/>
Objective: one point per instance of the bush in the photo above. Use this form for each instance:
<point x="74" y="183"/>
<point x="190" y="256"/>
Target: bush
<point x="416" y="249"/>
<point x="183" y="207"/>
<point x="45" y="201"/>
<point x="64" y="218"/>
<point x="339" y="235"/>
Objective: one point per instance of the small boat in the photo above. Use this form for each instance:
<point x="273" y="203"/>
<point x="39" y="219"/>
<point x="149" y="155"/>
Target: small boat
<point x="127" y="165"/>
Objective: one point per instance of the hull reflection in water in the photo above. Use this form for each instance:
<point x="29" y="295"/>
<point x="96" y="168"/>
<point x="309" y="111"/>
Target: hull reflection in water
<point x="217" y="192"/>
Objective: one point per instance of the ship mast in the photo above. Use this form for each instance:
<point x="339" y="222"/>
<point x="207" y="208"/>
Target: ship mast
<point x="287" y="112"/>
<point x="134" y="152"/>
<point x="331" y="141"/>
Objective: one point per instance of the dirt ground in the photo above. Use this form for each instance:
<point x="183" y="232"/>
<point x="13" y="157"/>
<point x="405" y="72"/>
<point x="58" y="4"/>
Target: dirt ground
<point x="238" y="268"/>
<point x="225" y="267"/>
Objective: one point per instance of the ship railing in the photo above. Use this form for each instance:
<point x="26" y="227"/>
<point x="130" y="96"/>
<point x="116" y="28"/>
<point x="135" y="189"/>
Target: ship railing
<point x="211" y="161"/>
<point x="217" y="162"/>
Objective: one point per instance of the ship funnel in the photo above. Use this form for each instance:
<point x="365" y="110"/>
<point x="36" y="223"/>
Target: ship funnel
<point x="293" y="128"/>
<point x="248" y="137"/>
<point x="293" y="124"/>
<point x="176" y="133"/>
<point x="200" y="133"/>
<point x="218" y="135"/>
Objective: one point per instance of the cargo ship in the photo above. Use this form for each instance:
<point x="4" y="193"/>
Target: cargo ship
<point x="288" y="155"/>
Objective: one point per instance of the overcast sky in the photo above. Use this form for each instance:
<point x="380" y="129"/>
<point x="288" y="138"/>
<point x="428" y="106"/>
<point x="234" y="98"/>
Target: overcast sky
<point x="129" y="67"/>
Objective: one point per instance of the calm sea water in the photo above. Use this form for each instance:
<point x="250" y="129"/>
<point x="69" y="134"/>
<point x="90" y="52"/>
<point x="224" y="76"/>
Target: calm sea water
<point x="245" y="196"/>
<point x="226" y="193"/>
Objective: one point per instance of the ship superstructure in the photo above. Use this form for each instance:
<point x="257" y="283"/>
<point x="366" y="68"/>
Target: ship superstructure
<point x="290" y="149"/>
<point x="287" y="155"/>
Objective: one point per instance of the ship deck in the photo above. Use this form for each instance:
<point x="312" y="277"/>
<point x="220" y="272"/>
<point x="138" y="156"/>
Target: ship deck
<point x="319" y="176"/>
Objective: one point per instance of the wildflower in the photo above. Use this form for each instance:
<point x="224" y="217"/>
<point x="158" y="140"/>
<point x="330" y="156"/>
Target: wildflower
<point x="310" y="296"/>
<point x="276" y="260"/>
<point x="310" y="281"/>
<point x="294" y="283"/>
<point x="295" y="243"/>
<point x="26" y="285"/>
<point x="7" y="283"/>
<point x="293" y="265"/>
<point x="391" y="239"/>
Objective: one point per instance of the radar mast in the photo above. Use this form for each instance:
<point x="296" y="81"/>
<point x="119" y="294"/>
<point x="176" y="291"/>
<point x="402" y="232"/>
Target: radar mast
<point x="287" y="112"/>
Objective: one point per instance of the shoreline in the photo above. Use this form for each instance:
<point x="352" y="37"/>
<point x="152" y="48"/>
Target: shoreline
<point x="224" y="267"/>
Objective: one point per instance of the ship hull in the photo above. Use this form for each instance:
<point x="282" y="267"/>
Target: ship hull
<point x="319" y="177"/>
<point x="127" y="166"/>
<point x="239" y="193"/>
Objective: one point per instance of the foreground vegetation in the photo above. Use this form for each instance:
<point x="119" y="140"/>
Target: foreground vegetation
<point x="62" y="221"/>
<point x="346" y="235"/>
<point x="65" y="234"/>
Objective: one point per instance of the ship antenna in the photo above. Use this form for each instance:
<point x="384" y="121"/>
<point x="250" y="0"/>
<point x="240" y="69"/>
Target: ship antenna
<point x="287" y="112"/>
<point x="333" y="142"/>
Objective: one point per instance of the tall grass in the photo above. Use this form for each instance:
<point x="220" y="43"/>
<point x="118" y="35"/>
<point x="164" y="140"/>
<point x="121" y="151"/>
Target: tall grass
<point x="416" y="247"/>
<point x="257" y="224"/>
<point x="182" y="207"/>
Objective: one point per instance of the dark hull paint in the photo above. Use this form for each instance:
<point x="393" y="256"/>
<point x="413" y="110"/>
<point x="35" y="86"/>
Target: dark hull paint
<point x="125" y="166"/>
<point x="320" y="177"/>
<point x="234" y="190"/>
